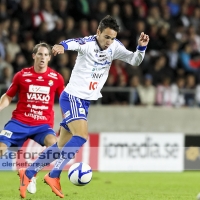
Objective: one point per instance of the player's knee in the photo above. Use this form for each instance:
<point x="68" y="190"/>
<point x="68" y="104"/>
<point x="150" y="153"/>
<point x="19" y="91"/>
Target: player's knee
<point x="83" y="135"/>
<point x="3" y="148"/>
<point x="50" y="140"/>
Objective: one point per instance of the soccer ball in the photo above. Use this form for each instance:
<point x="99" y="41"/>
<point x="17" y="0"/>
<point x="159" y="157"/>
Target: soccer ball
<point x="80" y="174"/>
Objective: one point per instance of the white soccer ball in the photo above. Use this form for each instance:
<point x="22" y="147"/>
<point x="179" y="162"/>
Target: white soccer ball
<point x="80" y="174"/>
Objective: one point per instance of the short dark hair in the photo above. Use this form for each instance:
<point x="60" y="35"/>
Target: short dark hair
<point x="42" y="44"/>
<point x="108" y="22"/>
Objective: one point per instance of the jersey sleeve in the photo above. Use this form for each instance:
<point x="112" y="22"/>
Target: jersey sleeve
<point x="12" y="90"/>
<point x="61" y="85"/>
<point x="78" y="44"/>
<point x="132" y="58"/>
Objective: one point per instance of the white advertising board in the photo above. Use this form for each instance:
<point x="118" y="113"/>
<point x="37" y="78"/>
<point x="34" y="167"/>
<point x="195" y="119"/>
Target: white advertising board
<point x="141" y="152"/>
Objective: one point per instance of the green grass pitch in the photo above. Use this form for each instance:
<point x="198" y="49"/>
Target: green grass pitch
<point x="111" y="186"/>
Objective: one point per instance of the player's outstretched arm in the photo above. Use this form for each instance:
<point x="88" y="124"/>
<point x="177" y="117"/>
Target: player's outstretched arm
<point x="57" y="49"/>
<point x="143" y="39"/>
<point x="4" y="101"/>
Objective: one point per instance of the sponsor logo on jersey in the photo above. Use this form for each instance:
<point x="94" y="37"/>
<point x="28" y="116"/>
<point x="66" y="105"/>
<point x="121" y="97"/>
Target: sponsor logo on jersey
<point x="40" y="78"/>
<point x="102" y="64"/>
<point x="96" y="75"/>
<point x="82" y="111"/>
<point x="28" y="80"/>
<point x="39" y="89"/>
<point x="38" y="97"/>
<point x="67" y="114"/>
<point x="50" y="75"/>
<point x="43" y="107"/>
<point x="6" y="133"/>
<point x="53" y="74"/>
<point x="27" y="74"/>
<point x="96" y="50"/>
<point x="35" y="116"/>
<point x="29" y="106"/>
<point x="50" y="83"/>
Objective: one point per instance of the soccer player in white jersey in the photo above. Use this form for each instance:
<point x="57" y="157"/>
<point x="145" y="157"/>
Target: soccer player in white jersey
<point x="95" y="55"/>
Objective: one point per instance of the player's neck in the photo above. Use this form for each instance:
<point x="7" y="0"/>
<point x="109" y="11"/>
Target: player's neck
<point x="40" y="70"/>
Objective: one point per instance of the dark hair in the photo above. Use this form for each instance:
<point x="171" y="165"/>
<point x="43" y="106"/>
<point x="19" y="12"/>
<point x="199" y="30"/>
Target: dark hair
<point x="42" y="44"/>
<point x="108" y="22"/>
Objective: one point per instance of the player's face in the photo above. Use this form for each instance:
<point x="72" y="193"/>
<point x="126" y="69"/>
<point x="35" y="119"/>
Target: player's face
<point x="106" y="37"/>
<point x="41" y="58"/>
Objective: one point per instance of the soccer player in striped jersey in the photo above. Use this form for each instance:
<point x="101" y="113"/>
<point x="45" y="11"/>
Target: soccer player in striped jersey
<point x="95" y="55"/>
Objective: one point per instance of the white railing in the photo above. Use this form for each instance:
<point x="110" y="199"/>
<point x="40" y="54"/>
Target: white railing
<point x="3" y="88"/>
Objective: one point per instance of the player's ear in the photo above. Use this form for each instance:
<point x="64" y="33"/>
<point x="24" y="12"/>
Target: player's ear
<point x="33" y="55"/>
<point x="98" y="32"/>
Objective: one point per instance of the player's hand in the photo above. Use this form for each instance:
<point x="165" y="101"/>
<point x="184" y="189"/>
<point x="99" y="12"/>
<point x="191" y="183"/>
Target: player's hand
<point x="57" y="49"/>
<point x="143" y="39"/>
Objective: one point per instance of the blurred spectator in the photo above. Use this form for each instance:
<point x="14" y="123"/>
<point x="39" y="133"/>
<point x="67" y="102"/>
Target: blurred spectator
<point x="69" y="28"/>
<point x="173" y="54"/>
<point x="101" y="10"/>
<point x="27" y="50"/>
<point x="147" y="92"/>
<point x="128" y="16"/>
<point x="57" y="32"/>
<point x="93" y="25"/>
<point x="164" y="93"/>
<point x="19" y="62"/>
<point x="36" y="14"/>
<point x="134" y="95"/>
<point x="115" y="12"/>
<point x="109" y="97"/>
<point x="7" y="75"/>
<point x="185" y="58"/>
<point x="24" y="16"/>
<point x="62" y="61"/>
<point x="174" y="7"/>
<point x="62" y="8"/>
<point x="3" y="11"/>
<point x="195" y="18"/>
<point x="117" y="68"/>
<point x="41" y="33"/>
<point x="83" y="28"/>
<point x="159" y="68"/>
<point x="190" y="90"/>
<point x="122" y="96"/>
<point x="178" y="99"/>
<point x="50" y="17"/>
<point x="12" y="47"/>
<point x="194" y="40"/>
<point x="65" y="72"/>
<point x="6" y="72"/>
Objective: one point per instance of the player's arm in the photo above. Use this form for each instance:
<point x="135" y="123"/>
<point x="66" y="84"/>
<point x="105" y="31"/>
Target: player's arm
<point x="5" y="101"/>
<point x="71" y="44"/>
<point x="11" y="92"/>
<point x="133" y="58"/>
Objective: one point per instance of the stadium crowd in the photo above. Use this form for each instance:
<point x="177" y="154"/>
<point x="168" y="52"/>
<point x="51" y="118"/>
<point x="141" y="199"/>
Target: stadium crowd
<point x="170" y="72"/>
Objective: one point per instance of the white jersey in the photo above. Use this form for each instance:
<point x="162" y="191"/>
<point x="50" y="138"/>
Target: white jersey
<point x="93" y="64"/>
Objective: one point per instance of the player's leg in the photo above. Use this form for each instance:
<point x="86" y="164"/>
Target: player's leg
<point x="45" y="136"/>
<point x="47" y="156"/>
<point x="75" y="112"/>
<point x="3" y="148"/>
<point x="67" y="153"/>
<point x="49" y="140"/>
<point x="14" y="135"/>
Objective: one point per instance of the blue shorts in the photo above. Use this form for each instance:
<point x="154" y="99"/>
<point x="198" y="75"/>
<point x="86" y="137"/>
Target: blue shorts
<point x="73" y="108"/>
<point x="16" y="133"/>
